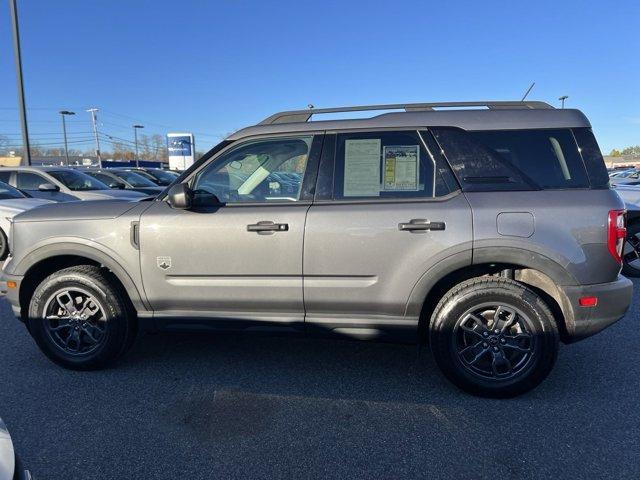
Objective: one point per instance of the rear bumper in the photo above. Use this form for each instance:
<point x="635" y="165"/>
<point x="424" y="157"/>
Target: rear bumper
<point x="613" y="302"/>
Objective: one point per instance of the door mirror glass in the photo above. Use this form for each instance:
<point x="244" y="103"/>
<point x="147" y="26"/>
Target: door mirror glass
<point x="180" y="196"/>
<point x="48" y="187"/>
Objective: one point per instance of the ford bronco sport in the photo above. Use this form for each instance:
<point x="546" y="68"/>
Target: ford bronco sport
<point x="487" y="231"/>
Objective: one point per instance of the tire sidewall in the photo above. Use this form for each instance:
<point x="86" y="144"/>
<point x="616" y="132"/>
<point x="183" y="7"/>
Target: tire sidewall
<point x="542" y="325"/>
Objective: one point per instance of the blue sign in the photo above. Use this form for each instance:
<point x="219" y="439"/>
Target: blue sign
<point x="179" y="146"/>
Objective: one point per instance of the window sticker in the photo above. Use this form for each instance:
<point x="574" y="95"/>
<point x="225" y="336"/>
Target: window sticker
<point x="401" y="167"/>
<point x="362" y="168"/>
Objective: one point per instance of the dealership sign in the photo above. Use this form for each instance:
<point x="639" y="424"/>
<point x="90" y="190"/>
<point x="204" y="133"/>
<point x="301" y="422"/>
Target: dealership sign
<point x="181" y="147"/>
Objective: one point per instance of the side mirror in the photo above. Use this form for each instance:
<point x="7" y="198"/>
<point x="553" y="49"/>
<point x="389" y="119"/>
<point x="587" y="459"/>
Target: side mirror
<point x="180" y="196"/>
<point x="117" y="185"/>
<point x="48" y="187"/>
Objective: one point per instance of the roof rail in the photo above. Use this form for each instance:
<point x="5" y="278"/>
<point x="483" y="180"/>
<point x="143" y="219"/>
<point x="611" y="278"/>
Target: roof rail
<point x="305" y="115"/>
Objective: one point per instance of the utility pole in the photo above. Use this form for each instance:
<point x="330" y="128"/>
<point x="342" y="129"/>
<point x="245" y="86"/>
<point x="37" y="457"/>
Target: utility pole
<point x="64" y="132"/>
<point x="26" y="155"/>
<point x="562" y="99"/>
<point x="94" y="120"/>
<point x="135" y="136"/>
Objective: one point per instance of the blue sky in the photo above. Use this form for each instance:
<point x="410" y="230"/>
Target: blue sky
<point x="212" y="67"/>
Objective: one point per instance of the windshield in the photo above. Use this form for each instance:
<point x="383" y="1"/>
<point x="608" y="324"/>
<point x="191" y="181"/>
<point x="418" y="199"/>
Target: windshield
<point x="77" y="181"/>
<point x="7" y="192"/>
<point x="134" y="179"/>
<point x="163" y="176"/>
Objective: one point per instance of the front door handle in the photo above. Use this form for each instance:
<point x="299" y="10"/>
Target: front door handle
<point x="420" y="225"/>
<point x="267" y="227"/>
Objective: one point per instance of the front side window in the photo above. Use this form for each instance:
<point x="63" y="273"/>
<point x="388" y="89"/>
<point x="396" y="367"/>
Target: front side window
<point x="379" y="165"/>
<point x="260" y="171"/>
<point x="77" y="181"/>
<point x="29" y="181"/>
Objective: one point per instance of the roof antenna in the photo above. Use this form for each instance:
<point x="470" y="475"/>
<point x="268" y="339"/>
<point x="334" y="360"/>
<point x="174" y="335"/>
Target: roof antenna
<point x="527" y="92"/>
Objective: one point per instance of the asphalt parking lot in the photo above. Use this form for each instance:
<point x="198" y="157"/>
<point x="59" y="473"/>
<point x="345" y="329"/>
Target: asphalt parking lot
<point x="204" y="407"/>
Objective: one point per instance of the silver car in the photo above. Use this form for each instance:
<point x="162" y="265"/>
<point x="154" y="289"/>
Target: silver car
<point x="61" y="184"/>
<point x="490" y="235"/>
<point x="11" y="467"/>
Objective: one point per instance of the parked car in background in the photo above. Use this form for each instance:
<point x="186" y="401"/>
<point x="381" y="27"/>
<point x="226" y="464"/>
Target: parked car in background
<point x="631" y="252"/>
<point x="488" y="234"/>
<point x="158" y="176"/>
<point x="626" y="177"/>
<point x="616" y="172"/>
<point x="13" y="202"/>
<point x="61" y="184"/>
<point x="11" y="467"/>
<point x="125" y="179"/>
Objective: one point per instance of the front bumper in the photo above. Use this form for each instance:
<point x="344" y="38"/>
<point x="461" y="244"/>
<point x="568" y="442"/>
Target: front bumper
<point x="613" y="302"/>
<point x="11" y="294"/>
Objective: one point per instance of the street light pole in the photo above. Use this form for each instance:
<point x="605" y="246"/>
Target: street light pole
<point x="562" y="99"/>
<point x="26" y="155"/>
<point x="135" y="136"/>
<point x="64" y="132"/>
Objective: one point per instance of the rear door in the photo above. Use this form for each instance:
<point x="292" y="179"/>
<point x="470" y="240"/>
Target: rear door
<point x="387" y="210"/>
<point x="242" y="259"/>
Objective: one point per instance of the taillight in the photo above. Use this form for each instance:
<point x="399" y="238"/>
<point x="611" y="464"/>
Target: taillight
<point x="616" y="234"/>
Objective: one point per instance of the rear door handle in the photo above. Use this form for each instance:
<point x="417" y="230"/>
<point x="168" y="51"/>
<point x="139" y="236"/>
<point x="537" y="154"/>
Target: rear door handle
<point x="420" y="225"/>
<point x="267" y="227"/>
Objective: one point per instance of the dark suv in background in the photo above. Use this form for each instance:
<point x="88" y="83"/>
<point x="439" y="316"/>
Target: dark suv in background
<point x="489" y="234"/>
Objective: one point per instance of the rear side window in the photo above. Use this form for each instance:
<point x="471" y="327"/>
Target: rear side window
<point x="514" y="159"/>
<point x="385" y="165"/>
<point x="592" y="157"/>
<point x="5" y="176"/>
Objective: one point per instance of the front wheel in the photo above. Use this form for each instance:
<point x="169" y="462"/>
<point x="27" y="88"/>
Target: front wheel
<point x="493" y="337"/>
<point x="79" y="319"/>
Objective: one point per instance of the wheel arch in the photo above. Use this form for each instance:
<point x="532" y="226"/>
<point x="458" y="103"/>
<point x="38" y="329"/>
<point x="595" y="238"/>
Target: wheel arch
<point x="435" y="283"/>
<point x="46" y="260"/>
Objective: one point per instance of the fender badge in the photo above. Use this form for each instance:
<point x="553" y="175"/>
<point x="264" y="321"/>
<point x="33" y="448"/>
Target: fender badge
<point x="163" y="262"/>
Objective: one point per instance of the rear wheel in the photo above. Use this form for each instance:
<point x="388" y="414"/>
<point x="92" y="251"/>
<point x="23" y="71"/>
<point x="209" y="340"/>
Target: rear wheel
<point x="494" y="337"/>
<point x="631" y="251"/>
<point x="79" y="319"/>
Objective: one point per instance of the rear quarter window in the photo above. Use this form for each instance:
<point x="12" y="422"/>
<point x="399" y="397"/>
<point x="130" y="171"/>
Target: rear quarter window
<point x="514" y="159"/>
<point x="592" y="157"/>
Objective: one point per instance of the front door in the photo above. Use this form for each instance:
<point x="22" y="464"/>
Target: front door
<point x="237" y="254"/>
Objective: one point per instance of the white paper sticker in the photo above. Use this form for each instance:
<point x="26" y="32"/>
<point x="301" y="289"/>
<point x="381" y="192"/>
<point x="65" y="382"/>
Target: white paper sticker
<point x="401" y="170"/>
<point x="362" y="168"/>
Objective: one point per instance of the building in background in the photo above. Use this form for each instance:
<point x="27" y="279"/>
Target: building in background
<point x="182" y="148"/>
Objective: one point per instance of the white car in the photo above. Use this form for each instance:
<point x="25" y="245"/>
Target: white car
<point x="13" y="202"/>
<point x="10" y="466"/>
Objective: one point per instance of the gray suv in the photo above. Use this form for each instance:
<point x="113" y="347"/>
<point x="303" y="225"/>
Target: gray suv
<point x="489" y="234"/>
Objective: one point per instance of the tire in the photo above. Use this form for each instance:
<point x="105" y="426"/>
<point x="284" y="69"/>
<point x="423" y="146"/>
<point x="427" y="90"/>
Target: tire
<point x="93" y="340"/>
<point x="501" y="362"/>
<point x="4" y="245"/>
<point x="631" y="251"/>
